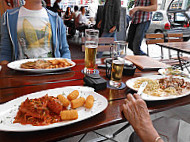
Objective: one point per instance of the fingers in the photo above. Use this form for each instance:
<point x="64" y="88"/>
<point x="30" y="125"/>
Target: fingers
<point x="137" y="96"/>
<point x="130" y="97"/>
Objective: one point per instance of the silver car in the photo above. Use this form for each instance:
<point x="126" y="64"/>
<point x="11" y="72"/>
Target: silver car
<point x="159" y="23"/>
<point x="170" y="22"/>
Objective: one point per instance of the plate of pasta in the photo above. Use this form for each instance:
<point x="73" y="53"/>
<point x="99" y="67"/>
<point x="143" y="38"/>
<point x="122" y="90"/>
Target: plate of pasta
<point x="161" y="88"/>
<point x="175" y="72"/>
<point x="41" y="65"/>
<point x="51" y="108"/>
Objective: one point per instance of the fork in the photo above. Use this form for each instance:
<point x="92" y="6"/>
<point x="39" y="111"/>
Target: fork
<point x="142" y="87"/>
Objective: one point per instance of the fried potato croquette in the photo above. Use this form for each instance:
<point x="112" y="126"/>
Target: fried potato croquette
<point x="77" y="102"/>
<point x="89" y="102"/>
<point x="63" y="100"/>
<point x="69" y="114"/>
<point x="73" y="95"/>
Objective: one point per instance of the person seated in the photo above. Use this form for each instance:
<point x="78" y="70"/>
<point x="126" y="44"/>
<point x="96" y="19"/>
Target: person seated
<point x="82" y="22"/>
<point x="32" y="31"/>
<point x="67" y="17"/>
<point x="136" y="112"/>
<point x="75" y="13"/>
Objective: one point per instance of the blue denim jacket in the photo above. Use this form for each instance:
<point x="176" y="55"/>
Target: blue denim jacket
<point x="9" y="44"/>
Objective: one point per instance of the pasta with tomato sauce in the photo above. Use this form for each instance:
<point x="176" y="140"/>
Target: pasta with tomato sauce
<point x="39" y="111"/>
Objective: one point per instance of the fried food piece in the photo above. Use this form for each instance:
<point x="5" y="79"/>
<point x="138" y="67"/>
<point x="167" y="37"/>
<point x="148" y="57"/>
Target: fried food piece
<point x="77" y="102"/>
<point x="55" y="105"/>
<point x="89" y="102"/>
<point x="69" y="114"/>
<point x="73" y="95"/>
<point x="63" y="100"/>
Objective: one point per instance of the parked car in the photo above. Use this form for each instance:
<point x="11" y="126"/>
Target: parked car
<point x="159" y="22"/>
<point x="174" y="20"/>
<point x="170" y="22"/>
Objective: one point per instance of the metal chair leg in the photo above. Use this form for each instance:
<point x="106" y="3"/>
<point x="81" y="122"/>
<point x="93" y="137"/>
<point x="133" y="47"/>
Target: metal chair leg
<point x="180" y="62"/>
<point x="162" y="53"/>
<point x="147" y="51"/>
<point x="169" y="53"/>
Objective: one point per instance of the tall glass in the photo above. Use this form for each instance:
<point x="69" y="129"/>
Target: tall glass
<point x="91" y="44"/>
<point x="119" y="49"/>
<point x="116" y="73"/>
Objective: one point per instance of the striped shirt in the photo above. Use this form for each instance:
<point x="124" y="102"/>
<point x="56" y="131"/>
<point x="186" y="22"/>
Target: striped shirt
<point x="141" y="16"/>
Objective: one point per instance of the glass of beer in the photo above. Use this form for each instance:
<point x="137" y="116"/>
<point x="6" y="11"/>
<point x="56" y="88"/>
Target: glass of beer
<point x="91" y="44"/>
<point x="116" y="73"/>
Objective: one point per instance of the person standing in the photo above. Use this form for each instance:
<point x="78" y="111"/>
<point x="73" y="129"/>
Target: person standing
<point x="110" y="20"/>
<point x="31" y="31"/>
<point x="141" y="16"/>
<point x="92" y="8"/>
<point x="56" y="7"/>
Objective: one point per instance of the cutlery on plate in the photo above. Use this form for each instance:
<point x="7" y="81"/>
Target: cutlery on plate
<point x="142" y="87"/>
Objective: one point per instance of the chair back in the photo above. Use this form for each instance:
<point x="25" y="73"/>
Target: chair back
<point x="154" y="38"/>
<point x="103" y="44"/>
<point x="174" y="37"/>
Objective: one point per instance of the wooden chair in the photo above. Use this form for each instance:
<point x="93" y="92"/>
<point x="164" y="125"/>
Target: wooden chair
<point x="173" y="61"/>
<point x="153" y="39"/>
<point x="173" y="37"/>
<point x="104" y="44"/>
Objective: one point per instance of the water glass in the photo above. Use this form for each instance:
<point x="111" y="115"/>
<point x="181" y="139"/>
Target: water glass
<point x="119" y="49"/>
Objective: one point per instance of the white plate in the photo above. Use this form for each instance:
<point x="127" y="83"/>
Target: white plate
<point x="130" y="84"/>
<point x="16" y="65"/>
<point x="165" y="73"/>
<point x="9" y="110"/>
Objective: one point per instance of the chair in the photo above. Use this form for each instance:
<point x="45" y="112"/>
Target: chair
<point x="173" y="37"/>
<point x="104" y="44"/>
<point x="177" y="37"/>
<point x="76" y="23"/>
<point x="153" y="39"/>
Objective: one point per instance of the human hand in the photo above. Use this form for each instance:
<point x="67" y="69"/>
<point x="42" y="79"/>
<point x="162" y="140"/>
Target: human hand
<point x="132" y="11"/>
<point x="112" y="29"/>
<point x="136" y="112"/>
<point x="99" y="25"/>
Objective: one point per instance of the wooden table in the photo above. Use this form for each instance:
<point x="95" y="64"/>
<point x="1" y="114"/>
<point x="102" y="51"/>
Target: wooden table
<point x="14" y="84"/>
<point x="183" y="47"/>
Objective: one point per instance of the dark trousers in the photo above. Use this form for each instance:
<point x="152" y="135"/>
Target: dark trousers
<point x="135" y="36"/>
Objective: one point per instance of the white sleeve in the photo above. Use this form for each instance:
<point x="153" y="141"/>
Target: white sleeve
<point x="80" y="19"/>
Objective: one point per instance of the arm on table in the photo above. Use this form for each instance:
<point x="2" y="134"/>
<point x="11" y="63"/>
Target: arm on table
<point x="136" y="112"/>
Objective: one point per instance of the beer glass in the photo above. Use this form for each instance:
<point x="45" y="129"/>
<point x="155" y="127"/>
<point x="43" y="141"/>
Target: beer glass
<point x="91" y="44"/>
<point x="119" y="49"/>
<point x="116" y="73"/>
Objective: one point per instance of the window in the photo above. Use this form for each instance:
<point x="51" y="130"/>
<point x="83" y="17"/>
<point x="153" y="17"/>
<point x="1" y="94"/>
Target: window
<point x="158" y="16"/>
